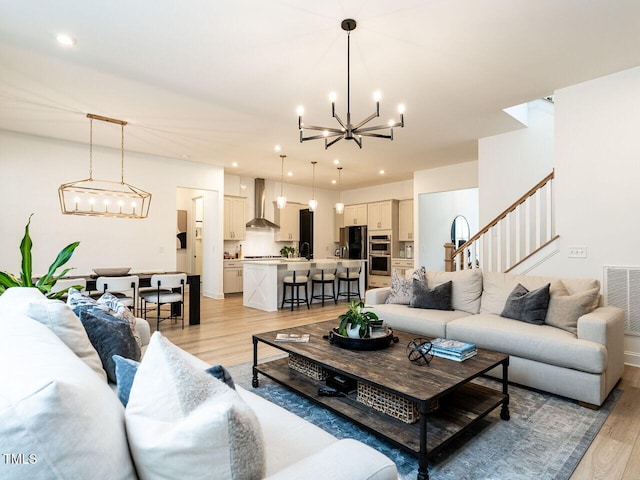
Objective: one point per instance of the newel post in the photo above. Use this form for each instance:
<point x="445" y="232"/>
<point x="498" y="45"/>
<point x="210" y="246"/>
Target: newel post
<point x="448" y="257"/>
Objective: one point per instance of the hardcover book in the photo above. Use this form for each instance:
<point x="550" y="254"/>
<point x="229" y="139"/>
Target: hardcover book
<point x="453" y="346"/>
<point x="292" y="337"/>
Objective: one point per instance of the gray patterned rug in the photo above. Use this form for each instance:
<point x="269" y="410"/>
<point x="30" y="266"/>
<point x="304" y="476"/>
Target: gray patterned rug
<point x="545" y="438"/>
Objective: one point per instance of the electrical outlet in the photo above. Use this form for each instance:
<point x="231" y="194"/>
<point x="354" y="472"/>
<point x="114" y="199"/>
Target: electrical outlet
<point x="161" y="250"/>
<point x="577" y="252"/>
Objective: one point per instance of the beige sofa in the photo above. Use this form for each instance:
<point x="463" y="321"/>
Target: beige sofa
<point x="59" y="418"/>
<point x="584" y="365"/>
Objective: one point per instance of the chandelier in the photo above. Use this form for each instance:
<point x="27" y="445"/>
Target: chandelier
<point x="281" y="201"/>
<point x="347" y="130"/>
<point x="103" y="198"/>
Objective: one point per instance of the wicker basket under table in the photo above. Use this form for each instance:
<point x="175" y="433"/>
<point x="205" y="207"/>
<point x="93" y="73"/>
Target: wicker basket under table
<point x="389" y="403"/>
<point x="308" y="368"/>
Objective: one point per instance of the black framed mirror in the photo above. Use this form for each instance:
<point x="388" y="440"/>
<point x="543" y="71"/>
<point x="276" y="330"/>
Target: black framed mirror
<point x="459" y="231"/>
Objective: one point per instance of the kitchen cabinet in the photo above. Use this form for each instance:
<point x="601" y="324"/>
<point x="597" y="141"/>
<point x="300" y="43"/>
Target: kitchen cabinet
<point x="338" y="223"/>
<point x="232" y="277"/>
<point x="405" y="220"/>
<point x="288" y="218"/>
<point x="379" y="281"/>
<point x="401" y="265"/>
<point x="383" y="215"/>
<point x="235" y="218"/>
<point x="355" y="215"/>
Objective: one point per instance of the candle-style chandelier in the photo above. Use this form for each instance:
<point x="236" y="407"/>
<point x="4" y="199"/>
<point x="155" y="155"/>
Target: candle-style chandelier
<point x="104" y="198"/>
<point x="347" y="130"/>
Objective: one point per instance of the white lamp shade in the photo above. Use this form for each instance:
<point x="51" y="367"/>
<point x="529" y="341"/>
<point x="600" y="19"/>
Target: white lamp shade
<point x="339" y="208"/>
<point x="313" y="204"/>
<point x="281" y="202"/>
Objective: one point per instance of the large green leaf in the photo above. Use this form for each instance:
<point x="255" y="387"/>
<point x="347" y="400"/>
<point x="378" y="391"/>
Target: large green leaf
<point x="25" y="250"/>
<point x="7" y="280"/>
<point x="62" y="258"/>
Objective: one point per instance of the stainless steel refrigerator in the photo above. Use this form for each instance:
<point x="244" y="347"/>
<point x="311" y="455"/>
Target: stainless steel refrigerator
<point x="353" y="242"/>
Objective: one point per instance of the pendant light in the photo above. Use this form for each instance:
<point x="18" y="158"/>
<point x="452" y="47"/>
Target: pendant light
<point x="339" y="206"/>
<point x="313" y="203"/>
<point x="281" y="201"/>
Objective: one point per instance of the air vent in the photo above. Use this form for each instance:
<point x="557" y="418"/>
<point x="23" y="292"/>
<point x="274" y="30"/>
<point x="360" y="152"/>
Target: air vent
<point x="622" y="287"/>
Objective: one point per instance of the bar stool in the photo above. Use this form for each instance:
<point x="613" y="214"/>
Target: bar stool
<point x="299" y="277"/>
<point x="351" y="273"/>
<point x="326" y="276"/>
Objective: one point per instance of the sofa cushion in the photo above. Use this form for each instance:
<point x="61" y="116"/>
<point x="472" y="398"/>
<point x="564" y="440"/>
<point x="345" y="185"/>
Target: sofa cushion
<point x="53" y="406"/>
<point x="425" y="322"/>
<point x="178" y="411"/>
<point x="497" y="286"/>
<point x="465" y="290"/>
<point x="565" y="309"/>
<point x="527" y="306"/>
<point x="542" y="343"/>
<point x="438" y="298"/>
<point x="121" y="311"/>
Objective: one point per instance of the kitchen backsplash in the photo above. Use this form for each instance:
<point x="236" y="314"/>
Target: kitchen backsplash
<point x="257" y="243"/>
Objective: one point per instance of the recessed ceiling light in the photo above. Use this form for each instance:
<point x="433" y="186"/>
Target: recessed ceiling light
<point x="336" y="162"/>
<point x="289" y="174"/>
<point x="234" y="164"/>
<point x="381" y="172"/>
<point x="66" y="40"/>
<point x="333" y="182"/>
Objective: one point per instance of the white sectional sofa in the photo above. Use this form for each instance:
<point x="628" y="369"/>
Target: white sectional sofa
<point x="584" y="363"/>
<point x="59" y="418"/>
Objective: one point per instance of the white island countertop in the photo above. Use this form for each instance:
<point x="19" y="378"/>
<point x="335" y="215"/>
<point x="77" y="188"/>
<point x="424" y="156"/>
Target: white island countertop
<point x="262" y="280"/>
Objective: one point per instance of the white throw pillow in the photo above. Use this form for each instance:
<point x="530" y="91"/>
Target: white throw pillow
<point x="60" y="319"/>
<point x="565" y="309"/>
<point x="184" y="423"/>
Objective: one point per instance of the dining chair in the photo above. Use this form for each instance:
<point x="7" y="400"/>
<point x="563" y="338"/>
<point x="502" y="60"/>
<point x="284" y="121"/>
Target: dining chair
<point x="168" y="290"/>
<point x="125" y="288"/>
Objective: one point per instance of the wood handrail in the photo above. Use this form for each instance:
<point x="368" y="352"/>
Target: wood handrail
<point x="508" y="210"/>
<point x="531" y="254"/>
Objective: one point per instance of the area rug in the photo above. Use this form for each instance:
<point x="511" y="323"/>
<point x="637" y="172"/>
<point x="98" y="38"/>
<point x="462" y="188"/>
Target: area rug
<point x="545" y="438"/>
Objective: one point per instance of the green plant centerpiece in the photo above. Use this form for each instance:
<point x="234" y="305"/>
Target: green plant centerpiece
<point x="356" y="317"/>
<point x="47" y="281"/>
<point x="285" y="251"/>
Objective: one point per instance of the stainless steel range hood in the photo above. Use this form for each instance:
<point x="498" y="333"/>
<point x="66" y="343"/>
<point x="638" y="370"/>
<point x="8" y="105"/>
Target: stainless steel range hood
<point x="260" y="199"/>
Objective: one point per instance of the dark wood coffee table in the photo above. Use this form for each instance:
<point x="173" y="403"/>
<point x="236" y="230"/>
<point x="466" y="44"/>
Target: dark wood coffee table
<point x="445" y="383"/>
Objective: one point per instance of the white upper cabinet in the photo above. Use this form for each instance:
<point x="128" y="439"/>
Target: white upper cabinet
<point x="405" y="220"/>
<point x="235" y="218"/>
<point x="288" y="218"/>
<point x="355" y="215"/>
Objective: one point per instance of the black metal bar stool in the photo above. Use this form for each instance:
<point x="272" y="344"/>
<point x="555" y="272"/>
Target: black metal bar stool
<point x="325" y="276"/>
<point x="299" y="276"/>
<point x="350" y="274"/>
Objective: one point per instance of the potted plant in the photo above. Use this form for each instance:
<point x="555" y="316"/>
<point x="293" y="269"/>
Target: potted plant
<point x="287" y="252"/>
<point x="355" y="322"/>
<point x="44" y="283"/>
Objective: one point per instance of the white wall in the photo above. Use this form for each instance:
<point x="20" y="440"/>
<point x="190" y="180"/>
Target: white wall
<point x="388" y="191"/>
<point x="511" y="163"/>
<point x="33" y="168"/>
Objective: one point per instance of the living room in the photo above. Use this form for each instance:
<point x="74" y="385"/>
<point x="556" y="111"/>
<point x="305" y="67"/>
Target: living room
<point x="593" y="153"/>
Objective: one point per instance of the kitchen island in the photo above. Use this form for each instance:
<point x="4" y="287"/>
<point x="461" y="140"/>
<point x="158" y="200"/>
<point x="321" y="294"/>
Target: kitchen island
<point x="262" y="281"/>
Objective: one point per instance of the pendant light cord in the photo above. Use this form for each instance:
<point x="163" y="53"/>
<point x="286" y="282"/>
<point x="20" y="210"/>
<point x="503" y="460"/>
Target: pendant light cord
<point x="91" y="149"/>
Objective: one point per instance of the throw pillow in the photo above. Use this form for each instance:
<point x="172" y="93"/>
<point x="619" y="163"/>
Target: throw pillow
<point x="465" y="291"/>
<point x="176" y="410"/>
<point x="402" y="287"/>
<point x="565" y="309"/>
<point x="526" y="306"/>
<point x="122" y="312"/>
<point x="61" y="320"/>
<point x="126" y="370"/>
<point x="438" y="298"/>
<point x="110" y="336"/>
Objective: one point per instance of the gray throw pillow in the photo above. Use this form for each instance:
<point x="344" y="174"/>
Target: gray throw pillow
<point x="527" y="306"/>
<point x="437" y="299"/>
<point x="109" y="336"/>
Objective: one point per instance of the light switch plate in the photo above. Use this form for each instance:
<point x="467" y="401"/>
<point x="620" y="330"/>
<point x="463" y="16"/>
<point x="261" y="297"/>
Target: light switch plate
<point x="577" y="252"/>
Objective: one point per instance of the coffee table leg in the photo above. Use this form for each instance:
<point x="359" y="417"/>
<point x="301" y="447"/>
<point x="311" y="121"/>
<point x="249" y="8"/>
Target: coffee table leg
<point x="254" y="382"/>
<point x="504" y="411"/>
<point x="423" y="467"/>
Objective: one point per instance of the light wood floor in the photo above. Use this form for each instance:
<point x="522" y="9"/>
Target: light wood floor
<point x="224" y="337"/>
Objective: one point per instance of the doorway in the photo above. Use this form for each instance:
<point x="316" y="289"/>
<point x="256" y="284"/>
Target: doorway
<point x="306" y="233"/>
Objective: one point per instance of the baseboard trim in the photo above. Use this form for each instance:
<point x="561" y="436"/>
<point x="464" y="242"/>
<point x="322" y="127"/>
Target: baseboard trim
<point x="632" y="358"/>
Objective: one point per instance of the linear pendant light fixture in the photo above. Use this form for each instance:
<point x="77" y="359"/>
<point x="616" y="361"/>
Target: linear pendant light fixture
<point x="347" y="130"/>
<point x="339" y="206"/>
<point x="313" y="203"/>
<point x="104" y="198"/>
<point x="281" y="201"/>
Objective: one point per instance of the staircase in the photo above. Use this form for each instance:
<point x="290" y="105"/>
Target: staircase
<point x="518" y="234"/>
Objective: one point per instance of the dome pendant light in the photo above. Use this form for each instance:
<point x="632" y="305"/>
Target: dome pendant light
<point x="281" y="201"/>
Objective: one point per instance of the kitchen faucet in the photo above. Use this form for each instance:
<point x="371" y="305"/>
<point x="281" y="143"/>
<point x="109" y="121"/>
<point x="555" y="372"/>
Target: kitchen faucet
<point x="308" y="255"/>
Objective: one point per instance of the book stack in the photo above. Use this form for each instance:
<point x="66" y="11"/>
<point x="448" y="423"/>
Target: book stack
<point x="453" y="349"/>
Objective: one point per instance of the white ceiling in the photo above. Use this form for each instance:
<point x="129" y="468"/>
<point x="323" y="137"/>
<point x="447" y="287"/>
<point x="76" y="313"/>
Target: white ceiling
<point x="218" y="82"/>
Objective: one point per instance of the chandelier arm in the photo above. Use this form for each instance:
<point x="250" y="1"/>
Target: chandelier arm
<point x="358" y="140"/>
<point x="122" y="154"/>
<point x="322" y="129"/>
<point x="372" y="129"/>
<point x="316" y="137"/>
<point x="365" y="121"/>
<point x="335" y="115"/>
<point x="91" y="149"/>
<point x="327" y="144"/>
<point x="378" y="135"/>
